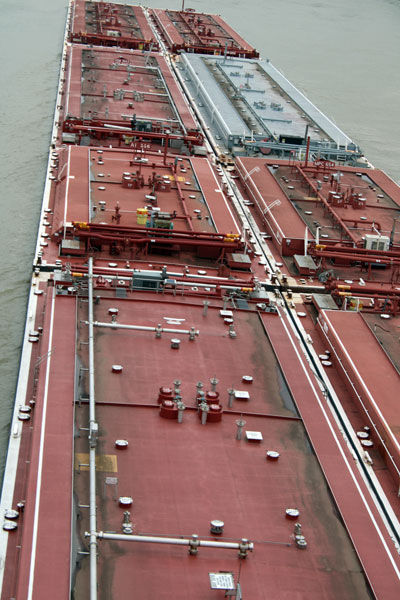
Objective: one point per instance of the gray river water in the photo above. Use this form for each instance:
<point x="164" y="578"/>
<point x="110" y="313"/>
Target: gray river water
<point x="343" y="55"/>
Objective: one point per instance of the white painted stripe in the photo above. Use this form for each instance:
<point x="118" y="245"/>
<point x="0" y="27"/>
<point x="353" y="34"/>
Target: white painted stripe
<point x="363" y="384"/>
<point x="41" y="450"/>
<point x="223" y="196"/>
<point x="364" y="501"/>
<point x="260" y="197"/>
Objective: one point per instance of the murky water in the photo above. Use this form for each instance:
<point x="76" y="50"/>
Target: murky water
<point x="343" y="55"/>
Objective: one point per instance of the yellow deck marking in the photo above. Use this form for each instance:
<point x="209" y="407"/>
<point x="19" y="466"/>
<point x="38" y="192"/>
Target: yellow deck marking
<point x="104" y="462"/>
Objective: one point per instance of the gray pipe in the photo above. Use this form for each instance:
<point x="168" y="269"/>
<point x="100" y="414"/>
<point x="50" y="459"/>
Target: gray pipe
<point x="141" y="327"/>
<point x="92" y="447"/>
<point x="175" y="541"/>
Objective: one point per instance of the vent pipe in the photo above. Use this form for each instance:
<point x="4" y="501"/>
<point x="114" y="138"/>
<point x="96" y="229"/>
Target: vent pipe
<point x="240" y="424"/>
<point x="231" y="395"/>
<point x="213" y="382"/>
<point x="204" y="408"/>
<point x="181" y="407"/>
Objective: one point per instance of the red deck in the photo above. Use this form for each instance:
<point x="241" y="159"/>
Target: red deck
<point x="311" y="197"/>
<point x="198" y="32"/>
<point x="216" y="475"/>
<point x="278" y="214"/>
<point x="374" y="379"/>
<point x="108" y="87"/>
<point x="107" y="187"/>
<point x="181" y="476"/>
<point x="103" y="23"/>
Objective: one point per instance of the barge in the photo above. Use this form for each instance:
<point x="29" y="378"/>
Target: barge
<point x="206" y="403"/>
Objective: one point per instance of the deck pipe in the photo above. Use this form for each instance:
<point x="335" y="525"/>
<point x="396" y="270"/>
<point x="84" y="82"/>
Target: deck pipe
<point x="183" y="202"/>
<point x="92" y="444"/>
<point x="243" y="545"/>
<point x="143" y="328"/>
<point x="80" y="129"/>
<point x="236" y="284"/>
<point x="146" y="239"/>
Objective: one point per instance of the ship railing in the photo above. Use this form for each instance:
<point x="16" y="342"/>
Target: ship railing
<point x="316" y="148"/>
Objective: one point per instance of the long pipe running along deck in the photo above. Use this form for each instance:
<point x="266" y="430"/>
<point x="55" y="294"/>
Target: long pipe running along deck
<point x="92" y="443"/>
